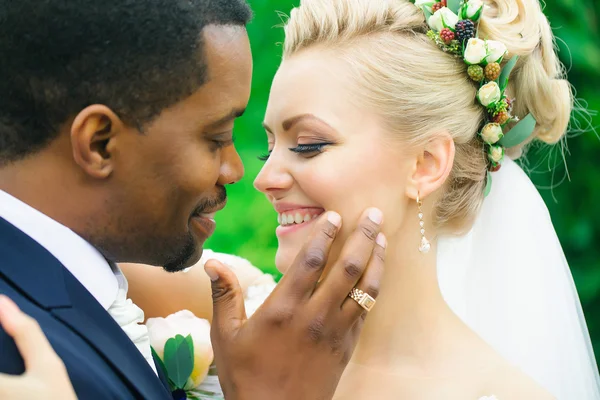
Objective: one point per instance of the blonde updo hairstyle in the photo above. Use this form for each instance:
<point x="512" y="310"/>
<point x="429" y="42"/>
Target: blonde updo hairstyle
<point x="419" y="90"/>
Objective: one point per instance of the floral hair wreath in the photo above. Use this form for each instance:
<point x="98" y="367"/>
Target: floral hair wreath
<point x="454" y="26"/>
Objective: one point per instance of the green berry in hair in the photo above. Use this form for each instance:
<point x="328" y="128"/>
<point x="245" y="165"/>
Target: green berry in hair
<point x="475" y="72"/>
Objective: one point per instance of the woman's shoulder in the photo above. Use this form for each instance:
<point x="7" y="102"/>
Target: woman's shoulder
<point x="507" y="382"/>
<point x="494" y="377"/>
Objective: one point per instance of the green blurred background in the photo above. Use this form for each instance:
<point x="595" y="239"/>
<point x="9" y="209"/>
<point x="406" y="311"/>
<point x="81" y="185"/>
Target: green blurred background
<point x="246" y="227"/>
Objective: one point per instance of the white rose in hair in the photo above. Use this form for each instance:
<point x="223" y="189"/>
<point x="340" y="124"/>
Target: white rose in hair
<point x="496" y="51"/>
<point x="496" y="153"/>
<point x="435" y="21"/>
<point x="424" y="3"/>
<point x="475" y="52"/>
<point x="443" y="16"/>
<point x="489" y="93"/>
<point x="184" y="323"/>
<point x="491" y="133"/>
<point x="450" y="19"/>
<point x="472" y="9"/>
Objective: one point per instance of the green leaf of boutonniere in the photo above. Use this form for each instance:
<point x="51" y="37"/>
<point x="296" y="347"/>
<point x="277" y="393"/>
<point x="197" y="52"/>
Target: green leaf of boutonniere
<point x="503" y="79"/>
<point x="160" y="362"/>
<point x="454" y="6"/>
<point x="519" y="133"/>
<point x="190" y="343"/>
<point x="179" y="360"/>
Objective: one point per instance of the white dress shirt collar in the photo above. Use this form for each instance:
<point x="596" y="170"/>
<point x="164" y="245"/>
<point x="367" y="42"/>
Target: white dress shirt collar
<point x="81" y="259"/>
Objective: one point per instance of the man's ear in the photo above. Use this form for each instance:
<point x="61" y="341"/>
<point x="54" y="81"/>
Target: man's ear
<point x="93" y="135"/>
<point x="432" y="166"/>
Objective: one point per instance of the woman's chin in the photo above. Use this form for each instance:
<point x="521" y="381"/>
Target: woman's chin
<point x="285" y="257"/>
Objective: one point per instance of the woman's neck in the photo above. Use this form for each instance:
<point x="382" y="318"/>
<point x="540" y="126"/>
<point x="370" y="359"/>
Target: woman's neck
<point x="409" y="325"/>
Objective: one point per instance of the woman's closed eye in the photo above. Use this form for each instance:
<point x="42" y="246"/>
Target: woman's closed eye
<point x="308" y="150"/>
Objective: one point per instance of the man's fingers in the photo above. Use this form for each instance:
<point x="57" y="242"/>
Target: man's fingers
<point x="301" y="278"/>
<point x="353" y="260"/>
<point x="228" y="300"/>
<point x="369" y="284"/>
<point x="35" y="349"/>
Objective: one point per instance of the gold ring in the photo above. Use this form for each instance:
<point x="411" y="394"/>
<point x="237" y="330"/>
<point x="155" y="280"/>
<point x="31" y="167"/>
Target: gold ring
<point x="363" y="299"/>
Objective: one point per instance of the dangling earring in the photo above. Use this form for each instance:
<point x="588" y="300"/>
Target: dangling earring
<point x="425" y="245"/>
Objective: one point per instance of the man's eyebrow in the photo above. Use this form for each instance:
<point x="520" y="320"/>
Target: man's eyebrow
<point x="233" y="114"/>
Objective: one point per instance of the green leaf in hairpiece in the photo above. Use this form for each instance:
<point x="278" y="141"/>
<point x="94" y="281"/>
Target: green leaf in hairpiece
<point x="454" y="6"/>
<point x="488" y="185"/>
<point x="519" y="133"/>
<point x="503" y="79"/>
<point x="427" y="13"/>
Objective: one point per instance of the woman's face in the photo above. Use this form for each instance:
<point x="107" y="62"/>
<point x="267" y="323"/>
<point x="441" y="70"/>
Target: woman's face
<point x="327" y="153"/>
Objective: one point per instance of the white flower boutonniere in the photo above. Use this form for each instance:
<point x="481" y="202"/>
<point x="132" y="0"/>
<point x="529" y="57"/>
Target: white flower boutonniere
<point x="185" y="360"/>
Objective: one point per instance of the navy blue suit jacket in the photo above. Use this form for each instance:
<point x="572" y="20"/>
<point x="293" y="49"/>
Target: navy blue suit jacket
<point x="101" y="360"/>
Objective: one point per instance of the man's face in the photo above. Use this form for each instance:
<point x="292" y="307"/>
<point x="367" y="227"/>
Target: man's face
<point x="168" y="182"/>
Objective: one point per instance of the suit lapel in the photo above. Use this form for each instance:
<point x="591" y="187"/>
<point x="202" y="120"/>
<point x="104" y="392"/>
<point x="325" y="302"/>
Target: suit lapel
<point x="42" y="278"/>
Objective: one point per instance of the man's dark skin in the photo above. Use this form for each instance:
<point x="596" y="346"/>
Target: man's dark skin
<point x="134" y="193"/>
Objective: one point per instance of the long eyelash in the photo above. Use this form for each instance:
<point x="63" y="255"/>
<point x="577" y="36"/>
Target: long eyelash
<point x="264" y="157"/>
<point x="309" y="148"/>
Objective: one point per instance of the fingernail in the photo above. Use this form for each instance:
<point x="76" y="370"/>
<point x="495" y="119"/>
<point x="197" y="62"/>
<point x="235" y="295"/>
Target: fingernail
<point x="212" y="274"/>
<point x="375" y="215"/>
<point x="334" y="218"/>
<point x="381" y="240"/>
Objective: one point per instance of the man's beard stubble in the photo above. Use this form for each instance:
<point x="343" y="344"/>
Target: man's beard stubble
<point x="137" y="246"/>
<point x="188" y="249"/>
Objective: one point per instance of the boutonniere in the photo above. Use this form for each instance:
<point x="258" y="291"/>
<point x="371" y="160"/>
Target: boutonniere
<point x="181" y="345"/>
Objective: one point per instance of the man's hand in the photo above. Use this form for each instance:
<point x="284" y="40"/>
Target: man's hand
<point x="298" y="343"/>
<point x="45" y="376"/>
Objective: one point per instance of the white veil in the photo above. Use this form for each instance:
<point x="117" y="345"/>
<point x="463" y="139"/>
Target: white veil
<point x="508" y="279"/>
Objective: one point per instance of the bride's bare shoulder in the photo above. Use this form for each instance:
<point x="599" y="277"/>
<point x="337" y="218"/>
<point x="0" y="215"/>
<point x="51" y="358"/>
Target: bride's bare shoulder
<point x="508" y="382"/>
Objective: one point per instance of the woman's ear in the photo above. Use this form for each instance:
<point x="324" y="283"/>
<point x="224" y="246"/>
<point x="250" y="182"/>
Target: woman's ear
<point x="433" y="165"/>
<point x="92" y="139"/>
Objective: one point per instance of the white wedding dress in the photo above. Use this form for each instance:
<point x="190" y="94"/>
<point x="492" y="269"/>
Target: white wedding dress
<point x="509" y="281"/>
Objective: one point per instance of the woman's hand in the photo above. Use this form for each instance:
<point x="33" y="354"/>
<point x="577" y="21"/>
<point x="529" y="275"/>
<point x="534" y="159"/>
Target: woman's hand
<point x="45" y="374"/>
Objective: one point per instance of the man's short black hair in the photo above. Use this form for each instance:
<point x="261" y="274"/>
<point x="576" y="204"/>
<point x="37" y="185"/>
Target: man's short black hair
<point x="137" y="57"/>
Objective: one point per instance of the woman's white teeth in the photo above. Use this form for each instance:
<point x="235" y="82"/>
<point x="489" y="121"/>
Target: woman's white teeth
<point x="297" y="218"/>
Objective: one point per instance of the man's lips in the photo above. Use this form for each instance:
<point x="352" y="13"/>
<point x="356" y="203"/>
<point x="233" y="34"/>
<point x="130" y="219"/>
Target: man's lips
<point x="206" y="212"/>
<point x="205" y="226"/>
<point x="204" y="220"/>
